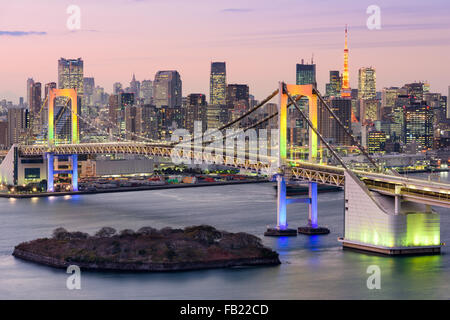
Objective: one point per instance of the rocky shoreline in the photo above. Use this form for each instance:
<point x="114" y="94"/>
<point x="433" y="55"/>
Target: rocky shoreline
<point x="148" y="250"/>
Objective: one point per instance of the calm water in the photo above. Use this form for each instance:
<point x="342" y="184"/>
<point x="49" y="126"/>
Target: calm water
<point x="312" y="267"/>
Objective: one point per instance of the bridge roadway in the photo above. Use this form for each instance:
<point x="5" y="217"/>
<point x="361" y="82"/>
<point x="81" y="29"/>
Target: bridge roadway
<point x="415" y="190"/>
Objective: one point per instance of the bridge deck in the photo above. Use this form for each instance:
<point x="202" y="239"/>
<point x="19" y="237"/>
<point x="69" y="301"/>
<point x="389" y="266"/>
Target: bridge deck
<point x="416" y="190"/>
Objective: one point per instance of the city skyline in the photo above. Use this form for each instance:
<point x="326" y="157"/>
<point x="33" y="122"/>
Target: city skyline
<point x="259" y="55"/>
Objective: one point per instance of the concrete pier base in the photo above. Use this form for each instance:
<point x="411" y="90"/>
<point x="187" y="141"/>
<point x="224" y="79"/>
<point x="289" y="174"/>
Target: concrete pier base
<point x="397" y="251"/>
<point x="274" y="232"/>
<point x="309" y="230"/>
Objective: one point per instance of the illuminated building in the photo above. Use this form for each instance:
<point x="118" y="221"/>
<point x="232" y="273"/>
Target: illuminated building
<point x="369" y="110"/>
<point x="417" y="90"/>
<point x="167" y="89"/>
<point x="17" y="124"/>
<point x="376" y="141"/>
<point x="150" y="122"/>
<point x="34" y="96"/>
<point x="418" y="124"/>
<point x="147" y="91"/>
<point x="218" y="83"/>
<point x="237" y="101"/>
<point x="4" y="143"/>
<point x="333" y="89"/>
<point x="125" y="100"/>
<point x="306" y="74"/>
<point x="34" y="91"/>
<point x="328" y="125"/>
<point x="388" y="97"/>
<point x="70" y="75"/>
<point x="133" y="121"/>
<point x="448" y="108"/>
<point x="135" y="87"/>
<point x="117" y="88"/>
<point x="196" y="111"/>
<point x="88" y="87"/>
<point x="367" y="84"/>
<point x="346" y="91"/>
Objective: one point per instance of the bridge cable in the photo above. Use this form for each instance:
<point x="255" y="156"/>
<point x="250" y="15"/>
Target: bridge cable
<point x="313" y="128"/>
<point x="372" y="161"/>
<point x="262" y="103"/>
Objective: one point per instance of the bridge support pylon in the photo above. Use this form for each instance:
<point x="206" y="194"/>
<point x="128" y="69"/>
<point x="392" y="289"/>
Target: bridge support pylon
<point x="281" y="229"/>
<point x="51" y="172"/>
<point x="312" y="228"/>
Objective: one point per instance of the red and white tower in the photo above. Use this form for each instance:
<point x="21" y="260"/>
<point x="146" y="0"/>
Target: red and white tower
<point x="346" y="91"/>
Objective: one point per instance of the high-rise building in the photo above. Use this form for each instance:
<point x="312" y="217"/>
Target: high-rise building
<point x="448" y="101"/>
<point x="88" y="88"/>
<point x="417" y="89"/>
<point x="117" y="88"/>
<point x="70" y="75"/>
<point x="218" y="84"/>
<point x="329" y="127"/>
<point x="376" y="141"/>
<point x="196" y="110"/>
<point x="17" y="124"/>
<point x="346" y="91"/>
<point x="333" y="89"/>
<point x="167" y="89"/>
<point x="133" y="121"/>
<point x="135" y="87"/>
<point x="147" y="91"/>
<point x="125" y="102"/>
<point x="237" y="101"/>
<point x="34" y="92"/>
<point x="4" y="143"/>
<point x="369" y="110"/>
<point x="418" y="124"/>
<point x="150" y="122"/>
<point x="367" y="84"/>
<point x="305" y="74"/>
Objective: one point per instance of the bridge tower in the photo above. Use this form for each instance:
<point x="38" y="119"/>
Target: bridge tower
<point x="282" y="201"/>
<point x="72" y="95"/>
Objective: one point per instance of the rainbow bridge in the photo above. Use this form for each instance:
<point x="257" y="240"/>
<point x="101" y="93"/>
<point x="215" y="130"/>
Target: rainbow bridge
<point x="384" y="212"/>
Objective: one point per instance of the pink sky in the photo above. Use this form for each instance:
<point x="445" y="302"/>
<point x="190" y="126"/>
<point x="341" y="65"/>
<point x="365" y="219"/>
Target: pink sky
<point x="261" y="41"/>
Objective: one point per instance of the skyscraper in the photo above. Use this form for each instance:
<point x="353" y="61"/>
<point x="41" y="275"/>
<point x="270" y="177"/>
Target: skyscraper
<point x="237" y="100"/>
<point x="218" y="83"/>
<point x="117" y="88"/>
<point x="88" y="88"/>
<point x="167" y="89"/>
<point x="448" y="102"/>
<point x="70" y="75"/>
<point x="196" y="111"/>
<point x="346" y="91"/>
<point x="305" y="74"/>
<point x="367" y="84"/>
<point x="418" y="124"/>
<point x="135" y="87"/>
<point x="34" y="91"/>
<point x="147" y="91"/>
<point x="333" y="89"/>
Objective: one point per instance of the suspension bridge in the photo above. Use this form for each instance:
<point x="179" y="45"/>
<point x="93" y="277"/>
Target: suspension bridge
<point x="384" y="212"/>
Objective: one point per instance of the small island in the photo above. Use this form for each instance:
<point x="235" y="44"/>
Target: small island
<point x="148" y="250"/>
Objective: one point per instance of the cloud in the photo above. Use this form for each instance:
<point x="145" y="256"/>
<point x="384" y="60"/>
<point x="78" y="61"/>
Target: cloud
<point x="236" y="10"/>
<point x="22" y="33"/>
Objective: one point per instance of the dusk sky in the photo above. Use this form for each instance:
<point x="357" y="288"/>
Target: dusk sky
<point x="260" y="40"/>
